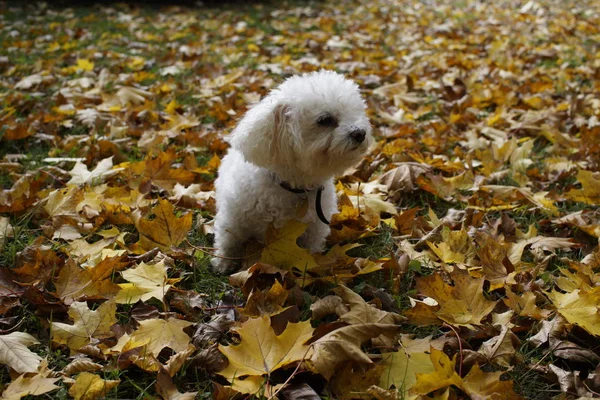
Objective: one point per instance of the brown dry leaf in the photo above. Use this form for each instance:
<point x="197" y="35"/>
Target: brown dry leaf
<point x="363" y="313"/>
<point x="166" y="231"/>
<point x="344" y="345"/>
<point x="90" y="386"/>
<point x="159" y="171"/>
<point x="328" y="305"/>
<point x="81" y="364"/>
<point x="73" y="282"/>
<point x="87" y="325"/>
<point x="403" y="178"/>
<point x="167" y="389"/>
<point x="261" y="352"/>
<point x="267" y="302"/>
<point x="501" y="349"/>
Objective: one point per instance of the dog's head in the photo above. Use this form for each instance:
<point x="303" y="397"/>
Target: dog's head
<point x="310" y="128"/>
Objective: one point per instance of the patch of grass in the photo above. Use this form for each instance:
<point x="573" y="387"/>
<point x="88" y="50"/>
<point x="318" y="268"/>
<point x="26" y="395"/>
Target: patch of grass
<point x="374" y="247"/>
<point x="529" y="383"/>
<point x="24" y="235"/>
<point x="201" y="277"/>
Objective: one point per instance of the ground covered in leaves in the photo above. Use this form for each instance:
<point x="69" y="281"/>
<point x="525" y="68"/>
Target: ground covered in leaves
<point x="464" y="261"/>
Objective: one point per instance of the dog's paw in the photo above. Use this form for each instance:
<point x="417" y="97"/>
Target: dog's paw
<point x="223" y="266"/>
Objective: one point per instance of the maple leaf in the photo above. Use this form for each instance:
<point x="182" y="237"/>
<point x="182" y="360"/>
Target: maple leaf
<point x="14" y="352"/>
<point x="159" y="171"/>
<point x="524" y="304"/>
<point x="261" y="352"/>
<point x="580" y="308"/>
<point x="156" y="334"/>
<point x="456" y="246"/>
<point x="90" y="386"/>
<point x="88" y="324"/>
<point x="282" y="251"/>
<point x="35" y="385"/>
<point x="477" y="384"/>
<point x="344" y="345"/>
<point x="268" y="302"/>
<point x="481" y="385"/>
<point x="443" y="374"/>
<point x="93" y="283"/>
<point x="166" y="231"/>
<point x="146" y="281"/>
<point x="501" y="349"/>
<point x="363" y="313"/>
<point x="400" y="368"/>
<point x="81" y="175"/>
<point x="461" y="304"/>
<point x="590" y="192"/>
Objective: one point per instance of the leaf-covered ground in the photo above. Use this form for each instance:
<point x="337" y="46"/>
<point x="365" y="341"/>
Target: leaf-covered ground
<point x="464" y="261"/>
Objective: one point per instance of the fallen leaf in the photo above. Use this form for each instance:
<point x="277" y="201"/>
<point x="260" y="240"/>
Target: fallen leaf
<point x="88" y="325"/>
<point x="90" y="386"/>
<point x="146" y="281"/>
<point x="166" y="231"/>
<point x="15" y="354"/>
<point x="261" y="352"/>
<point x="156" y="334"/>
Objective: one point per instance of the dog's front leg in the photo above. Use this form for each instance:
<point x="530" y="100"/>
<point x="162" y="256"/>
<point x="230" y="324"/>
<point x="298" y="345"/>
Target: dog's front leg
<point x="230" y="249"/>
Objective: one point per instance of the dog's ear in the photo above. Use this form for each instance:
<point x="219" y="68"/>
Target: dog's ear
<point x="261" y="135"/>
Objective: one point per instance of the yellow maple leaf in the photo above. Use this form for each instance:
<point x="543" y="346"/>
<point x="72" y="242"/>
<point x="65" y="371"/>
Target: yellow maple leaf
<point x="146" y="281"/>
<point x="442" y="376"/>
<point x="172" y="107"/>
<point x="455" y="247"/>
<point x="590" y="192"/>
<point x="90" y="386"/>
<point x="481" y="385"/>
<point x="579" y="307"/>
<point x="400" y="368"/>
<point x="282" y="251"/>
<point x="156" y="334"/>
<point x="85" y="64"/>
<point x="524" y="304"/>
<point x="461" y="304"/>
<point x="88" y="324"/>
<point x="166" y="231"/>
<point x="261" y="351"/>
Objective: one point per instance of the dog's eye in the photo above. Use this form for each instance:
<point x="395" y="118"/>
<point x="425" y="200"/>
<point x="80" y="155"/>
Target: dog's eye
<point x="327" y="121"/>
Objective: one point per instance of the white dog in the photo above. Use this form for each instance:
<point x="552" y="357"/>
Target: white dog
<point x="285" y="151"/>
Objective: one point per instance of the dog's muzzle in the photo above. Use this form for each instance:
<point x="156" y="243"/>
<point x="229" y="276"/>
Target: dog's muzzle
<point x="357" y="135"/>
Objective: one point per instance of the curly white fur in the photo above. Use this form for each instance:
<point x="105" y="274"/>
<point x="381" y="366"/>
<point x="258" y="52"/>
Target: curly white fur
<point x="307" y="130"/>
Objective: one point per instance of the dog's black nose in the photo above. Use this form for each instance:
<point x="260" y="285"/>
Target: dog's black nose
<point x="358" y="135"/>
